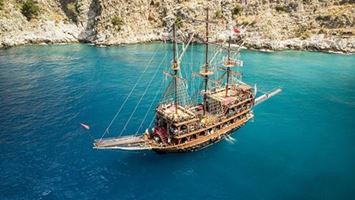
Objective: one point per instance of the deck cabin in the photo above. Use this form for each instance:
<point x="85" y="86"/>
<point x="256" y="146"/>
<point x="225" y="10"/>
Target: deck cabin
<point x="175" y="125"/>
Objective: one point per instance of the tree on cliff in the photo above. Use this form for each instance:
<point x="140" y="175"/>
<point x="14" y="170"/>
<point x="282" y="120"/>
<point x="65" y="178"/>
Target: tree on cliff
<point x="1" y="4"/>
<point x="29" y="9"/>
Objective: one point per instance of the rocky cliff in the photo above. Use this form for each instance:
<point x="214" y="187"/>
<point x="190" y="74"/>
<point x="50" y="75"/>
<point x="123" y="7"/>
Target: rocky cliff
<point x="325" y="25"/>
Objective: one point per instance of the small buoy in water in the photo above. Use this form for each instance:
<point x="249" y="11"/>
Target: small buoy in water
<point x="87" y="127"/>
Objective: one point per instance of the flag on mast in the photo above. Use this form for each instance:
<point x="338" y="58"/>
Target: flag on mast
<point x="236" y="30"/>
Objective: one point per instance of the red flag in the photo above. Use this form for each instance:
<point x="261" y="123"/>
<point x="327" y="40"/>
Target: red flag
<point x="236" y="30"/>
<point x="87" y="127"/>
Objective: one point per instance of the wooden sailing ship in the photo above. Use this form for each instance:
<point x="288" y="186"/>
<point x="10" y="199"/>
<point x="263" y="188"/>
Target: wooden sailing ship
<point x="182" y="127"/>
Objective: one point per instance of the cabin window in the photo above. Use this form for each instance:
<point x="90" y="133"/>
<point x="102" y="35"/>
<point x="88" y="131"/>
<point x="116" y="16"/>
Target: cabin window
<point x="194" y="136"/>
<point x="183" y="129"/>
<point x="183" y="140"/>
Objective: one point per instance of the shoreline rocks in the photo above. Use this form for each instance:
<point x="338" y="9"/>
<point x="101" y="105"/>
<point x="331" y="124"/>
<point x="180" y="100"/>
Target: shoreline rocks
<point x="312" y="26"/>
<point x="46" y="33"/>
<point x="316" y="43"/>
<point x="340" y="46"/>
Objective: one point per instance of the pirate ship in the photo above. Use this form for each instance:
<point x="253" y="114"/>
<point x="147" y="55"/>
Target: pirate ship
<point x="179" y="126"/>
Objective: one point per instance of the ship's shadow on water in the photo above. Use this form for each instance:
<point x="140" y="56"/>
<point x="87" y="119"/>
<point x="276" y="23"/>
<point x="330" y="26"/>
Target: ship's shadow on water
<point x="173" y="161"/>
<point x="151" y="158"/>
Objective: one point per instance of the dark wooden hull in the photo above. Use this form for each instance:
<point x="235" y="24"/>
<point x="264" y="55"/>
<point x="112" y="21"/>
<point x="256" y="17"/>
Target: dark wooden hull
<point x="198" y="146"/>
<point x="139" y="143"/>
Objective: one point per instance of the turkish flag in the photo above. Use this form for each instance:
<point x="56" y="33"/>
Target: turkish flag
<point x="236" y="30"/>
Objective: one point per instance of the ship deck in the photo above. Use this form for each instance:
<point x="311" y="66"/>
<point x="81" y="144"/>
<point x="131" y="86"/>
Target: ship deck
<point x="194" y="144"/>
<point x="123" y="143"/>
<point x="168" y="111"/>
<point x="234" y="94"/>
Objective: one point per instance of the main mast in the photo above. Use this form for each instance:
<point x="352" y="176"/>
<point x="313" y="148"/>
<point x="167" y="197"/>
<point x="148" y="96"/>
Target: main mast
<point x="228" y="60"/>
<point x="175" y="68"/>
<point x="206" y="68"/>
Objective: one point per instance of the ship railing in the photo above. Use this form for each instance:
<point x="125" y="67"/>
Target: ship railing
<point x="217" y="124"/>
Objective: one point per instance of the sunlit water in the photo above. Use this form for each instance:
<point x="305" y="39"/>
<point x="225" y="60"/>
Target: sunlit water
<point x="301" y="144"/>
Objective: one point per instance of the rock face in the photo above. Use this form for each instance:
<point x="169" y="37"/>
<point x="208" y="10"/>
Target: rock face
<point x="321" y="25"/>
<point x="50" y="26"/>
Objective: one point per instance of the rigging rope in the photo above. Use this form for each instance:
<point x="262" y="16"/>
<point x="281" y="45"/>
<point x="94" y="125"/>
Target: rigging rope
<point x="192" y="78"/>
<point x="151" y="121"/>
<point x="154" y="99"/>
<point x="144" y="93"/>
<point x="151" y="106"/>
<point x="130" y="93"/>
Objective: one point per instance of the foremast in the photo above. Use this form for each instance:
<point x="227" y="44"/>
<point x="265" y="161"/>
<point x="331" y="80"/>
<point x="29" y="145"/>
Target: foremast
<point x="228" y="60"/>
<point x="175" y="67"/>
<point x="205" y="72"/>
<point x="229" y="63"/>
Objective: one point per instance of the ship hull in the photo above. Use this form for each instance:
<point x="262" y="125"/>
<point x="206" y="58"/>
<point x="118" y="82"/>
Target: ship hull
<point x="139" y="143"/>
<point x="207" y="142"/>
<point x="192" y="148"/>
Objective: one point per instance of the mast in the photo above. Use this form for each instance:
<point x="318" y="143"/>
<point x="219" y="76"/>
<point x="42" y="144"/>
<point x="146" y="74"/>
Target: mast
<point x="206" y="67"/>
<point x="228" y="60"/>
<point x="175" y="67"/>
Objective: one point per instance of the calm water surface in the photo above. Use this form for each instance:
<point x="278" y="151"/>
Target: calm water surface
<point x="301" y="144"/>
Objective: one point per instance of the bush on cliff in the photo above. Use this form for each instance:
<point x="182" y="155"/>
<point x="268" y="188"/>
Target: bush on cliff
<point x="323" y="17"/>
<point x="347" y="2"/>
<point x="291" y="7"/>
<point x="1" y="4"/>
<point x="218" y="14"/>
<point x="29" y="9"/>
<point x="237" y="9"/>
<point x="178" y="22"/>
<point x="302" y="32"/>
<point x="117" y="22"/>
<point x="73" y="10"/>
<point x="281" y="8"/>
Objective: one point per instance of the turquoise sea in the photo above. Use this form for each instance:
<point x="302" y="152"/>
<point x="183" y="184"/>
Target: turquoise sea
<point x="301" y="144"/>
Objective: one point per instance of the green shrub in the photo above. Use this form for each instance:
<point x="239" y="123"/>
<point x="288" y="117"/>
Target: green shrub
<point x="29" y="9"/>
<point x="252" y="23"/>
<point x="322" y="31"/>
<point x="117" y="22"/>
<point x="292" y="6"/>
<point x="305" y="35"/>
<point x="156" y="4"/>
<point x="178" y="22"/>
<point x="73" y="9"/>
<point x="1" y="4"/>
<point x="218" y="14"/>
<point x="323" y="17"/>
<point x="347" y="2"/>
<point x="307" y="1"/>
<point x="302" y="32"/>
<point x="280" y="8"/>
<point x="237" y="9"/>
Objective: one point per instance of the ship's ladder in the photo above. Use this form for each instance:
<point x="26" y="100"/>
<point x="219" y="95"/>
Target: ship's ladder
<point x="162" y="134"/>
